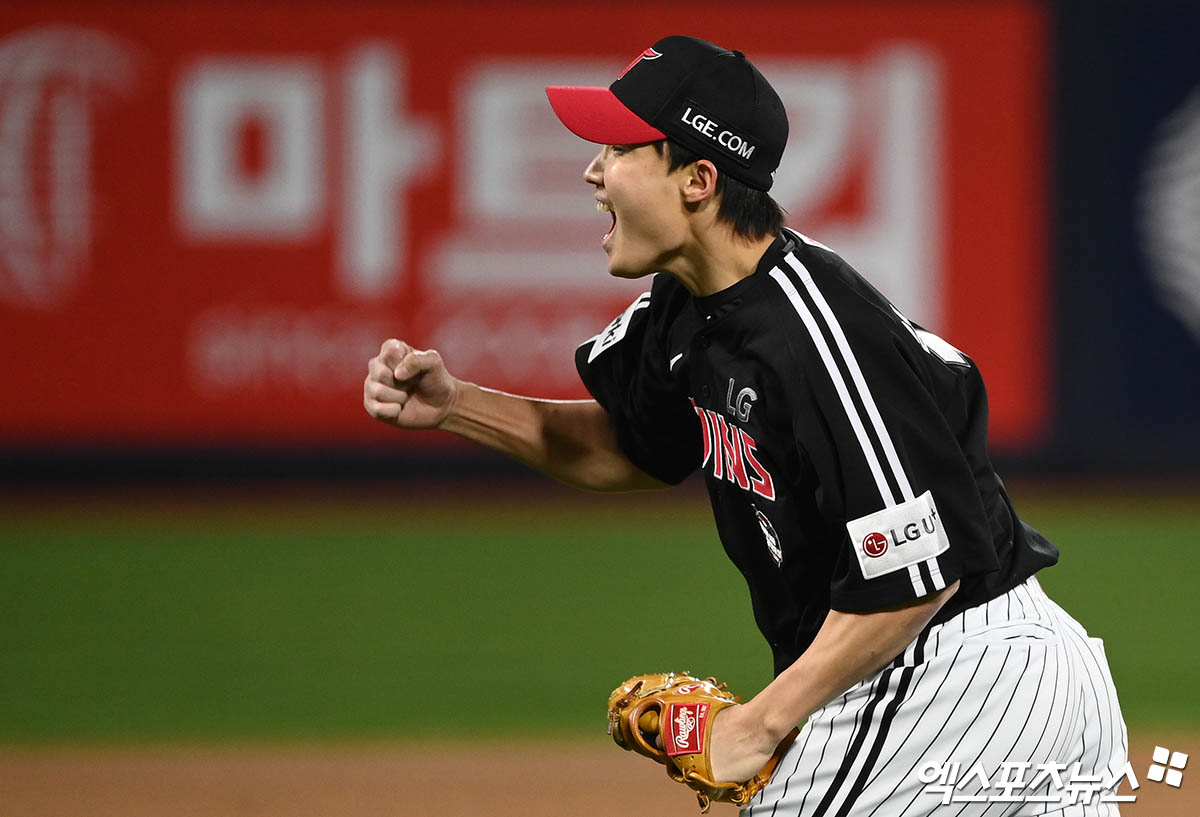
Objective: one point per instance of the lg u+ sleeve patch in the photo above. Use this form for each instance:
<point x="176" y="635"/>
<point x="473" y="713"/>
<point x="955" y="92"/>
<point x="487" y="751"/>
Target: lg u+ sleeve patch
<point x="898" y="537"/>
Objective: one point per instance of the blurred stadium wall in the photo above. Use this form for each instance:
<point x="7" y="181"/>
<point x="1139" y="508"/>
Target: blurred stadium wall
<point x="211" y="214"/>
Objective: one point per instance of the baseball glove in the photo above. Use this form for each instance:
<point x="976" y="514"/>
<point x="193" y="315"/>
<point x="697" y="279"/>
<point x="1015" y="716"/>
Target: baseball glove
<point x="640" y="708"/>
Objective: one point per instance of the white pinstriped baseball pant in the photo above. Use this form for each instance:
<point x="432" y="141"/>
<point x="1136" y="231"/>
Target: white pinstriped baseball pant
<point x="1013" y="680"/>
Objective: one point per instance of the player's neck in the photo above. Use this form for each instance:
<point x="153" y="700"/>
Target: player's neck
<point x="717" y="260"/>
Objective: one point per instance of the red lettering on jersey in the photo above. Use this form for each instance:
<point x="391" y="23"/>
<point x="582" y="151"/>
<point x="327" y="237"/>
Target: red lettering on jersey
<point x="735" y="468"/>
<point x="718" y="453"/>
<point x="708" y="447"/>
<point x="760" y="478"/>
<point x="732" y="453"/>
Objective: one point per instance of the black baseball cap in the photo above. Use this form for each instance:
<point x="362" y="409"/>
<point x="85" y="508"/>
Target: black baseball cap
<point x="708" y="99"/>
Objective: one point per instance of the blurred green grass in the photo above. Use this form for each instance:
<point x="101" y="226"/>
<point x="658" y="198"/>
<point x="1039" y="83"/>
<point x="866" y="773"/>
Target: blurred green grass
<point x="465" y="614"/>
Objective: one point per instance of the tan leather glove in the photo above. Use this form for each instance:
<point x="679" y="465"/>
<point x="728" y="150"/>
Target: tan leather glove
<point x="668" y="718"/>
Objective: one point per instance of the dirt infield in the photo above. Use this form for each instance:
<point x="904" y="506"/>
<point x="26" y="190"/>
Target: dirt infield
<point x="502" y="781"/>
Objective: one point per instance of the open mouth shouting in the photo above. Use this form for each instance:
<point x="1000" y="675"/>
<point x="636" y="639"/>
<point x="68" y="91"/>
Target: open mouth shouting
<point x="605" y="207"/>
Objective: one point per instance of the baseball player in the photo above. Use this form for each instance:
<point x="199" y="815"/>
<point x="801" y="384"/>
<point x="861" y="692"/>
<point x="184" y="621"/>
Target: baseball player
<point x="844" y="451"/>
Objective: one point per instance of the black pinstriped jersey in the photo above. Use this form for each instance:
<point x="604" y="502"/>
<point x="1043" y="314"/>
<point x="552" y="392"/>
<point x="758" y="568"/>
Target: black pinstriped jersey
<point x="844" y="447"/>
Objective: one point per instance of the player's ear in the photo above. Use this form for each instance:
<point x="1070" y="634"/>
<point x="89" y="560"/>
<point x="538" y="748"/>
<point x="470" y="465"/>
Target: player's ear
<point x="699" y="181"/>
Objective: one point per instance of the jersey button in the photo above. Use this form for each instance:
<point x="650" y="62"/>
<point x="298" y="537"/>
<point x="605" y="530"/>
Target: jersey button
<point x="705" y="390"/>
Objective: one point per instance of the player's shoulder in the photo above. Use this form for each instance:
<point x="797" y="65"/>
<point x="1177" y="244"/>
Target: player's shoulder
<point x="831" y="279"/>
<point x="842" y="316"/>
<point x="647" y="320"/>
<point x="823" y="295"/>
<point x="830" y="312"/>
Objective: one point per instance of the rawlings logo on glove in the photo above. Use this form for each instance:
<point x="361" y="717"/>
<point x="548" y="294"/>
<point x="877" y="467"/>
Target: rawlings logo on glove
<point x="640" y="708"/>
<point x="682" y="737"/>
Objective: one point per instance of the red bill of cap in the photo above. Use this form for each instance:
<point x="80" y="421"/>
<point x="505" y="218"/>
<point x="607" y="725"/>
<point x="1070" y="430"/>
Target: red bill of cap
<point x="595" y="114"/>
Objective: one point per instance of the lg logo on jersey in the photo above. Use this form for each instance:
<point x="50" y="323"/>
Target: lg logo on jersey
<point x="745" y="402"/>
<point x="897" y="537"/>
<point x="875" y="544"/>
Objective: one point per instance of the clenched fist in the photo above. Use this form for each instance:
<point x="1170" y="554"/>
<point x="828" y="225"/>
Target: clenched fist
<point x="408" y="388"/>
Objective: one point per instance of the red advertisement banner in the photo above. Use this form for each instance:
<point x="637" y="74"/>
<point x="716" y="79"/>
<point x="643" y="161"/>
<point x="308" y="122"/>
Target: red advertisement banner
<point x="211" y="214"/>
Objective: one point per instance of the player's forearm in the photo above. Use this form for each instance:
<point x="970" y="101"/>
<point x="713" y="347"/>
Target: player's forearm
<point x="569" y="440"/>
<point x="848" y="648"/>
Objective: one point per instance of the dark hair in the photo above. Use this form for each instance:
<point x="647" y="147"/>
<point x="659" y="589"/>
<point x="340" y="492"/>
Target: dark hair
<point x="752" y="213"/>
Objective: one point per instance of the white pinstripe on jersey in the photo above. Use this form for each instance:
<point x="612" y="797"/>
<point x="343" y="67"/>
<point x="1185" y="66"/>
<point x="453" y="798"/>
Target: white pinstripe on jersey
<point x="1013" y="680"/>
<point x="824" y="316"/>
